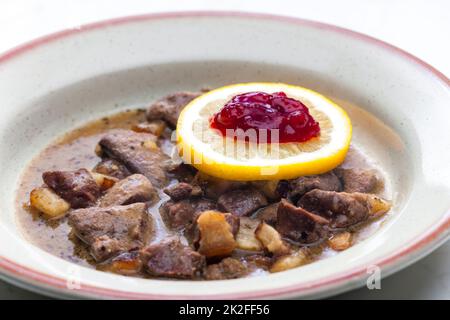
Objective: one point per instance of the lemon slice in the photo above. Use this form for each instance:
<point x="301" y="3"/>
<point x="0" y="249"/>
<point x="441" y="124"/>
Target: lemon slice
<point x="227" y="158"/>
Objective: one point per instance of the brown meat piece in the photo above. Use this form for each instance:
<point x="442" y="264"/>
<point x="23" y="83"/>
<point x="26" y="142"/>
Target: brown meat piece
<point x="242" y="202"/>
<point x="112" y="168"/>
<point x="234" y="222"/>
<point x="343" y="209"/>
<point x="180" y="214"/>
<point x="177" y="215"/>
<point x="201" y="205"/>
<point x="169" y="107"/>
<point x="358" y="180"/>
<point x="268" y="214"/>
<point x="299" y="225"/>
<point x="283" y="188"/>
<point x="181" y="172"/>
<point x="228" y="268"/>
<point x="327" y="181"/>
<point x="131" y="149"/>
<point x="135" y="188"/>
<point x="214" y="187"/>
<point x="76" y="187"/>
<point x="173" y="260"/>
<point x="183" y="190"/>
<point x="109" y="231"/>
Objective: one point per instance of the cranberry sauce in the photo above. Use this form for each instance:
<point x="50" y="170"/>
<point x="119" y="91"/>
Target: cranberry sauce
<point x="260" y="110"/>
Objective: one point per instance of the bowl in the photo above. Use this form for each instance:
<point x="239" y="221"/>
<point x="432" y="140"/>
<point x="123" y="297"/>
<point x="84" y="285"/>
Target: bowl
<point x="397" y="103"/>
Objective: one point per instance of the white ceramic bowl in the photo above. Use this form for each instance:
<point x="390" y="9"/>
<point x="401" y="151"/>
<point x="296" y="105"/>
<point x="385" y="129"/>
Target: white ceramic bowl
<point x="58" y="82"/>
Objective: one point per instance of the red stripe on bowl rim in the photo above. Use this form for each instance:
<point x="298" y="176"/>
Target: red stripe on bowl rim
<point x="422" y="246"/>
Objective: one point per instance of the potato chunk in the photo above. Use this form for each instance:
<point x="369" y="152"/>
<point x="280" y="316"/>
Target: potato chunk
<point x="48" y="202"/>
<point x="216" y="237"/>
<point x="377" y="205"/>
<point x="246" y="238"/>
<point x="103" y="181"/>
<point x="271" y="239"/>
<point x="290" y="261"/>
<point x="340" y="241"/>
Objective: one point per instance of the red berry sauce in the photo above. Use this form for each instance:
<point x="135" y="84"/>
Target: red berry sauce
<point x="260" y="110"/>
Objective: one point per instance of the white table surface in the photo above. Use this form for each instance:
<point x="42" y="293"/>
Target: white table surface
<point x="421" y="27"/>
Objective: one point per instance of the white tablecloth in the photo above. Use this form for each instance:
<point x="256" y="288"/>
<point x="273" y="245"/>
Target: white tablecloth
<point x="421" y="27"/>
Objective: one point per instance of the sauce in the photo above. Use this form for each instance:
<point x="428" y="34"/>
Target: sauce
<point x="75" y="150"/>
<point x="263" y="111"/>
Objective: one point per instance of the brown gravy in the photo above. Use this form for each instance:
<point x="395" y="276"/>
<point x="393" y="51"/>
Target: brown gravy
<point x="76" y="150"/>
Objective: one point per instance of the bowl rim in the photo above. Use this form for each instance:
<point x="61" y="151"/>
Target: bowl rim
<point x="423" y="245"/>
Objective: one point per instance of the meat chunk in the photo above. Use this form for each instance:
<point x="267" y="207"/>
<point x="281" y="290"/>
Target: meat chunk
<point x="283" y="188"/>
<point x="201" y="205"/>
<point x="358" y="180"/>
<point x="242" y="202"/>
<point x="138" y="152"/>
<point x="182" y="191"/>
<point x="234" y="222"/>
<point x="76" y="187"/>
<point x="177" y="215"/>
<point x="180" y="214"/>
<point x="268" y="214"/>
<point x="169" y="107"/>
<point x="109" y="231"/>
<point x="298" y="224"/>
<point x="135" y="188"/>
<point x="228" y="268"/>
<point x="342" y="208"/>
<point x="181" y="171"/>
<point x="112" y="168"/>
<point x="327" y="181"/>
<point x="173" y="260"/>
<point x="215" y="187"/>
